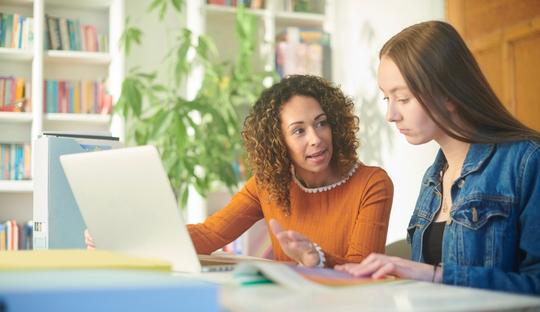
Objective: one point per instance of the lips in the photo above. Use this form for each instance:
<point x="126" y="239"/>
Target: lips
<point x="317" y="154"/>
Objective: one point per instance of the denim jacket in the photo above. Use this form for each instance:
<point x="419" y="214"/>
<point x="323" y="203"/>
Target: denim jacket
<point x="492" y="238"/>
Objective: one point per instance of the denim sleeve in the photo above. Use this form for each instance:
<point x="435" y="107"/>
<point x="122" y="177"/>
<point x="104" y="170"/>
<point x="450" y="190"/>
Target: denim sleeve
<point x="526" y="279"/>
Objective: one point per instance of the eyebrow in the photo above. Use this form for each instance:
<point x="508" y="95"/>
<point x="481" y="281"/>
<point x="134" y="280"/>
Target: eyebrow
<point x="301" y="122"/>
<point x="394" y="89"/>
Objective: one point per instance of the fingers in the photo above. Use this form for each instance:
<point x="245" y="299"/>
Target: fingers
<point x="286" y="235"/>
<point x="380" y="266"/>
<point x="89" y="241"/>
<point x="295" y="245"/>
<point x="366" y="269"/>
<point x="384" y="271"/>
<point x="275" y="227"/>
<point x="375" y="265"/>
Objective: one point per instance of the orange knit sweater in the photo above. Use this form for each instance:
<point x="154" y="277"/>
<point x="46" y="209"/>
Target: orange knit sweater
<point x="349" y="221"/>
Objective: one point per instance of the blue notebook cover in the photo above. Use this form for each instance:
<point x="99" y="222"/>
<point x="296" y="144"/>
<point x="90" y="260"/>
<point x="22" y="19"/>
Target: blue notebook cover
<point x="104" y="290"/>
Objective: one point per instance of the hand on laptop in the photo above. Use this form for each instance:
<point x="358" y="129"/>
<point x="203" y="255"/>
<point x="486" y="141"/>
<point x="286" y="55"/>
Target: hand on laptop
<point x="89" y="240"/>
<point x="295" y="245"/>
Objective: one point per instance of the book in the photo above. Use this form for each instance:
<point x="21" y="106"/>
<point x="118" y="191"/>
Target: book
<point x="23" y="260"/>
<point x="296" y="277"/>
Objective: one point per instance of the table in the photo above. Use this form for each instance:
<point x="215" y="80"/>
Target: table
<point x="121" y="290"/>
<point x="403" y="295"/>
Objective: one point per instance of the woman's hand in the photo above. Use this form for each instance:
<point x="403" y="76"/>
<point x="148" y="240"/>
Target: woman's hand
<point x="295" y="245"/>
<point x="90" y="245"/>
<point x="380" y="266"/>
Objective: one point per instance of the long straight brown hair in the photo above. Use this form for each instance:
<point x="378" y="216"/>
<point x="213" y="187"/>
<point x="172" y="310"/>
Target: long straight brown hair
<point x="439" y="68"/>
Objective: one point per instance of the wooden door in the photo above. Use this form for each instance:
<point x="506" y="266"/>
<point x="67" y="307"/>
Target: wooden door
<point x="504" y="36"/>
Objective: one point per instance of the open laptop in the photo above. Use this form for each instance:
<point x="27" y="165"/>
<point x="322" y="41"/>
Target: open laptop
<point x="128" y="205"/>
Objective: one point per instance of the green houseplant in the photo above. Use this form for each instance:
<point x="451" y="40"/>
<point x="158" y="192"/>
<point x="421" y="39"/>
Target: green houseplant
<point x="199" y="139"/>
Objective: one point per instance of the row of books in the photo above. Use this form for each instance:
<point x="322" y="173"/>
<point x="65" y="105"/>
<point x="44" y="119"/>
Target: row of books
<point x="16" y="31"/>
<point x="306" y="6"/>
<point x="303" y="51"/>
<point x="15" y="94"/>
<point x="252" y="4"/>
<point x="69" y="34"/>
<point x="85" y="97"/>
<point x="15" y="236"/>
<point x="15" y="161"/>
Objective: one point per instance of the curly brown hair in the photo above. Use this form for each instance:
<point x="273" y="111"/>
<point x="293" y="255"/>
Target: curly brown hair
<point x="267" y="153"/>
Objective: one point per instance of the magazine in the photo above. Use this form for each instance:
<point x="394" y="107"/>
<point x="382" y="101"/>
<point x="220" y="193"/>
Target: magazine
<point x="296" y="277"/>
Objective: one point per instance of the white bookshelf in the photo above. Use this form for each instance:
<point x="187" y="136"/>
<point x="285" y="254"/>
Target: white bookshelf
<point x="218" y="22"/>
<point x="38" y="64"/>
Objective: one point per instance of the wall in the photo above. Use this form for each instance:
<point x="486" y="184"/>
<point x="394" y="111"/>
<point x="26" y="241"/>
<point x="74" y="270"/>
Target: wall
<point x="362" y="27"/>
<point x="157" y="36"/>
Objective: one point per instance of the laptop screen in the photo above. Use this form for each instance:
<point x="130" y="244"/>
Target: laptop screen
<point x="128" y="205"/>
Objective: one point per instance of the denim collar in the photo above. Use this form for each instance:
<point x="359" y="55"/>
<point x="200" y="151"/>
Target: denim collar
<point x="476" y="157"/>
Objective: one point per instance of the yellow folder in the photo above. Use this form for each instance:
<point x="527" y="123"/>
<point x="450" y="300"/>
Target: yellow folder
<point x="76" y="259"/>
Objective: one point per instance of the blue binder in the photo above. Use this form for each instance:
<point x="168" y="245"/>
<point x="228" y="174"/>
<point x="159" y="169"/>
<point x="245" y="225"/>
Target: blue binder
<point x="57" y="220"/>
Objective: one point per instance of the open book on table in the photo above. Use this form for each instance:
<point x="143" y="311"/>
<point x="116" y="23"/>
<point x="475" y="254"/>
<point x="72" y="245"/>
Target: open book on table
<point x="294" y="276"/>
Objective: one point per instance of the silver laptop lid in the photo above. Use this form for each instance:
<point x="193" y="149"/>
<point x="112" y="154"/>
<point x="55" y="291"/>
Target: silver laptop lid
<point x="128" y="205"/>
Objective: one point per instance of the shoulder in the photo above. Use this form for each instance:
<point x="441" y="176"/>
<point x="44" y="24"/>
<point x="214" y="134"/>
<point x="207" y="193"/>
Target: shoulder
<point x="524" y="146"/>
<point x="522" y="152"/>
<point x="371" y="172"/>
<point x="250" y="187"/>
<point x="370" y="175"/>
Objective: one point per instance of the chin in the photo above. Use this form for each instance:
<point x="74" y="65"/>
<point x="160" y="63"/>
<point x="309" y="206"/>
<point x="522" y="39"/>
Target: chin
<point x="416" y="141"/>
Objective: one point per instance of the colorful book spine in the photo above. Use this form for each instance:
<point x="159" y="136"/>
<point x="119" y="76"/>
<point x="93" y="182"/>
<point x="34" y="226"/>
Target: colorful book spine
<point x="15" y="161"/>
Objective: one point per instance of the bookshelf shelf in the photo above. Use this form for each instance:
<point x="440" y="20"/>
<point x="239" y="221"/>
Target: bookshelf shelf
<point x="8" y="117"/>
<point x="25" y="186"/>
<point x="300" y="19"/>
<point x="17" y="2"/>
<point x="83" y="118"/>
<point x="215" y="10"/>
<point x="10" y="54"/>
<point x="77" y="57"/>
<point x="80" y="5"/>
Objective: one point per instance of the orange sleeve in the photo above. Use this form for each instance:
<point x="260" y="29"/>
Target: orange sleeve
<point x="228" y="223"/>
<point x="370" y="229"/>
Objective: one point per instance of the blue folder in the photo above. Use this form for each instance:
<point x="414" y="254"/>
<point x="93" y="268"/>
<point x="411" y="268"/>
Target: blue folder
<point x="104" y="290"/>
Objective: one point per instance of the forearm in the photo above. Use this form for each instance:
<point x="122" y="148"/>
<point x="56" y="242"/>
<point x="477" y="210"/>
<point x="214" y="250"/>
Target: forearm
<point x="205" y="240"/>
<point x="494" y="279"/>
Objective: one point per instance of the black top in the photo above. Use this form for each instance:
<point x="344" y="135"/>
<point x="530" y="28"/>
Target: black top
<point x="432" y="243"/>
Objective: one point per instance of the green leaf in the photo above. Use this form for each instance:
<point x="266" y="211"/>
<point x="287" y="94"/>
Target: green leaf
<point x="183" y="195"/>
<point x="131" y="36"/>
<point x="160" y="5"/>
<point x="177" y="4"/>
<point x="163" y="125"/>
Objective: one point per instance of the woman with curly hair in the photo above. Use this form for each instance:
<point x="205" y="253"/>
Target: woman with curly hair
<point x="301" y="142"/>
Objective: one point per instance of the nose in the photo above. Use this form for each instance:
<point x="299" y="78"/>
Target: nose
<point x="392" y="114"/>
<point x="314" y="137"/>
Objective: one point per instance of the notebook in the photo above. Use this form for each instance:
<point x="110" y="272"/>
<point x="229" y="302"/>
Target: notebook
<point x="128" y="205"/>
